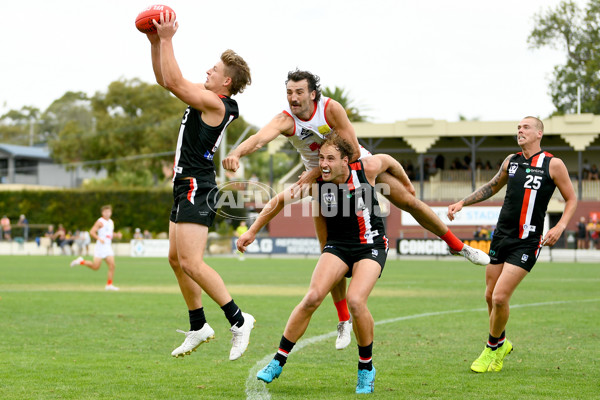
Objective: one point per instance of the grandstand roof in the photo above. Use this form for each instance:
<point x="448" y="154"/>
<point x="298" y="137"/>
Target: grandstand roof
<point x="38" y="153"/>
<point x="578" y="130"/>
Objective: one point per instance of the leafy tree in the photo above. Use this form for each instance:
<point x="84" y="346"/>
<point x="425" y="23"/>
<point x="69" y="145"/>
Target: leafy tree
<point x="577" y="32"/>
<point x="131" y="128"/>
<point x="130" y="131"/>
<point x="73" y="108"/>
<point x="341" y="96"/>
<point x="16" y="125"/>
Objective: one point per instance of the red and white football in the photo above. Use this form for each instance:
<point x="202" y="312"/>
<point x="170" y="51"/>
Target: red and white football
<point x="144" y="19"/>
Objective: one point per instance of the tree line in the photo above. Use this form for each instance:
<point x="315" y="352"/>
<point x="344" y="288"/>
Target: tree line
<point x="131" y="129"/>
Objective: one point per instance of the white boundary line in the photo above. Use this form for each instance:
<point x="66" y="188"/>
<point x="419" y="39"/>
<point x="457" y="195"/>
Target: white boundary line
<point x="257" y="390"/>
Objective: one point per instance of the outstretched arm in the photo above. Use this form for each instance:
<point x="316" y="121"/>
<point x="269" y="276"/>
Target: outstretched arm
<point x="193" y="94"/>
<point x="155" y="52"/>
<point x="281" y="124"/>
<point x="484" y="192"/>
<point x="560" y="176"/>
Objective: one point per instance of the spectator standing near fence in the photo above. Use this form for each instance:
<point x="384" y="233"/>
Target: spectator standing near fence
<point x="593" y="230"/>
<point x="24" y="223"/>
<point x="581" y="233"/>
<point x="6" y="229"/>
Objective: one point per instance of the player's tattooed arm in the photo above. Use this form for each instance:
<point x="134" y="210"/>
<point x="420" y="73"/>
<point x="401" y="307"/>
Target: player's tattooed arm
<point x="490" y="188"/>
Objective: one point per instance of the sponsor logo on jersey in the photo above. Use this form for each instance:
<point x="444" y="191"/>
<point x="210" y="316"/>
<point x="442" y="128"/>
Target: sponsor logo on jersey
<point x="305" y="134"/>
<point x="535" y="171"/>
<point x="314" y="146"/>
<point x="512" y="168"/>
<point x="208" y="155"/>
<point x="329" y="247"/>
<point x="324" y="129"/>
<point x="369" y="234"/>
<point x="528" y="228"/>
<point x="375" y="253"/>
<point x="524" y="257"/>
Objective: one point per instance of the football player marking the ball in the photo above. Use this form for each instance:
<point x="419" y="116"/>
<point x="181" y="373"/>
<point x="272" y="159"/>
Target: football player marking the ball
<point x="103" y="231"/>
<point x="210" y="109"/>
<point x="306" y="122"/>
<point x="346" y="207"/>
<point x="531" y="177"/>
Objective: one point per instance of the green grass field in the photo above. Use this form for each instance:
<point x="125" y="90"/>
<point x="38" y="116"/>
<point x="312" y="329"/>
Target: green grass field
<point x="63" y="337"/>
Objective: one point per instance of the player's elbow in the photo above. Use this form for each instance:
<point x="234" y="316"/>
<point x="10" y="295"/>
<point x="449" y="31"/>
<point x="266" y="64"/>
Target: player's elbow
<point x="172" y="83"/>
<point x="169" y="85"/>
<point x="161" y="82"/>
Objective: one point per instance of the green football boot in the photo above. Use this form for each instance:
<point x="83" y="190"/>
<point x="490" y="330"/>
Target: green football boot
<point x="503" y="351"/>
<point x="482" y="363"/>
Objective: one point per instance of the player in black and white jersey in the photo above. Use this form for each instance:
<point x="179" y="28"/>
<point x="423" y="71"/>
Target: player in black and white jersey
<point x="355" y="246"/>
<point x="210" y="110"/>
<point x="531" y="177"/>
<point x="306" y="122"/>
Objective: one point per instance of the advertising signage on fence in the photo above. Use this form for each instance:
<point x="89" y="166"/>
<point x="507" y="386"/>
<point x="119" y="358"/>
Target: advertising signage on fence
<point x="297" y="246"/>
<point x="150" y="248"/>
<point x="434" y="247"/>
<point x="466" y="216"/>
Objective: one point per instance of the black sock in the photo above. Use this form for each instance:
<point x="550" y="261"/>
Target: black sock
<point x="197" y="319"/>
<point x="492" y="342"/>
<point x="285" y="347"/>
<point x="233" y="314"/>
<point x="501" y="339"/>
<point x="365" y="357"/>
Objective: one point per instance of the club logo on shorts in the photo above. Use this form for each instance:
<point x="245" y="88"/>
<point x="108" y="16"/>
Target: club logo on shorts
<point x="512" y="168"/>
<point x="524" y="257"/>
<point x="375" y="253"/>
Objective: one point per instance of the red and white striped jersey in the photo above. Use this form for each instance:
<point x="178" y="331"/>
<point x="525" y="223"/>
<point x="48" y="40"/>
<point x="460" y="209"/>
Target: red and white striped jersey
<point x="528" y="193"/>
<point x="310" y="134"/>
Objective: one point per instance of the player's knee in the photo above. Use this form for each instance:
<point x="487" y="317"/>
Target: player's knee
<point x="488" y="297"/>
<point x="356" y="304"/>
<point x="500" y="299"/>
<point x="174" y="261"/>
<point x="312" y="300"/>
<point x="185" y="267"/>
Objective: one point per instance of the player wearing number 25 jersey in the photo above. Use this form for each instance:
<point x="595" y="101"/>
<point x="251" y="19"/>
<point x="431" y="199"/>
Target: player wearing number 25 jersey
<point x="528" y="193"/>
<point x="531" y="177"/>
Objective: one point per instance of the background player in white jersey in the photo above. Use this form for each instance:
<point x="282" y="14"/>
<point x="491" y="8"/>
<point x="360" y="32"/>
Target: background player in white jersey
<point x="103" y="232"/>
<point x="307" y="121"/>
<point x="531" y="177"/>
<point x="210" y="109"/>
